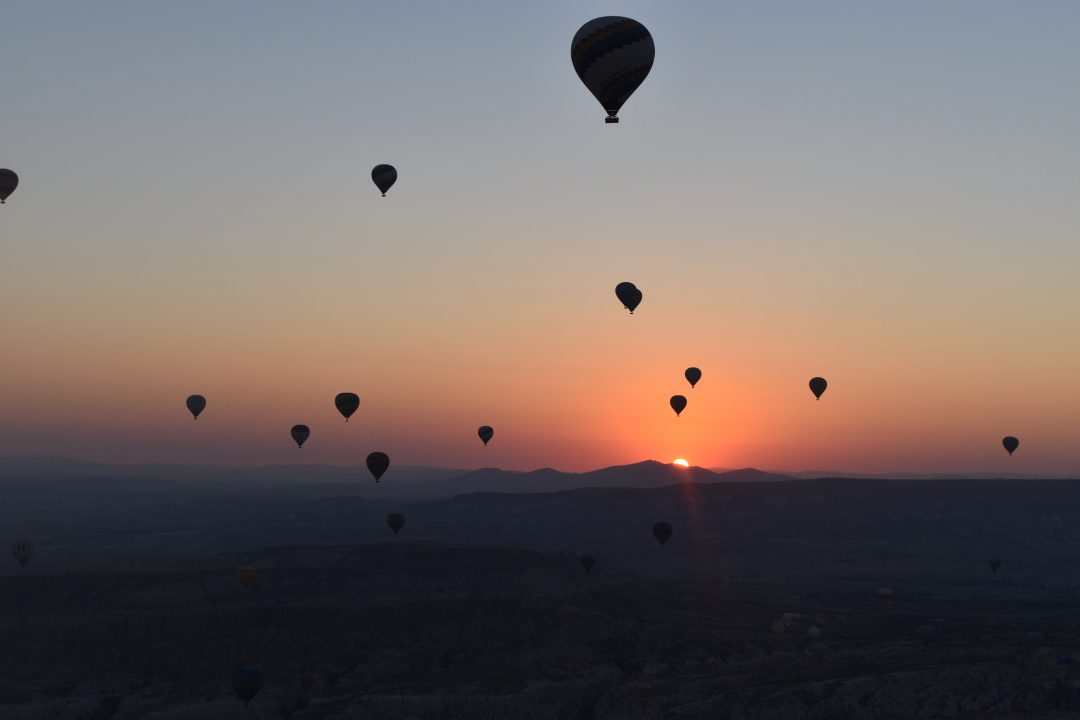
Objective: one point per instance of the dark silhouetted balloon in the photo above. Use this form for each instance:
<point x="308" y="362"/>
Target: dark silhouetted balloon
<point x="628" y="295"/>
<point x="926" y="633"/>
<point x="23" y="550"/>
<point x="384" y="176"/>
<point x="196" y="404"/>
<point x="994" y="563"/>
<point x="247" y="682"/>
<point x="347" y="404"/>
<point x="486" y="433"/>
<point x="661" y="531"/>
<point x="1011" y="444"/>
<point x="817" y="386"/>
<point x="378" y="463"/>
<point x="587" y="562"/>
<point x="8" y="182"/>
<point x="246" y="575"/>
<point x="395" y="521"/>
<point x="300" y="433"/>
<point x="693" y="376"/>
<point x="678" y="404"/>
<point x="612" y="56"/>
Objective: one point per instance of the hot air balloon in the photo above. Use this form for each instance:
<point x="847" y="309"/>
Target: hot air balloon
<point x="817" y="386"/>
<point x="196" y="404"/>
<point x="395" y="521"/>
<point x="693" y="376"/>
<point x="378" y="463"/>
<point x="1011" y="444"/>
<point x="23" y="550"/>
<point x="486" y="433"/>
<point x="661" y="531"/>
<point x="347" y="404"/>
<point x="587" y="562"/>
<point x="246" y="575"/>
<point x="628" y="295"/>
<point x="8" y="182"/>
<point x="247" y="682"/>
<point x="300" y="433"/>
<point x="384" y="176"/>
<point x="994" y="563"/>
<point x="612" y="56"/>
<point x="678" y="404"/>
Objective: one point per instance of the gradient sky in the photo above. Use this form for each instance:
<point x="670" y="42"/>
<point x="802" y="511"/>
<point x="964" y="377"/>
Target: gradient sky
<point x="885" y="194"/>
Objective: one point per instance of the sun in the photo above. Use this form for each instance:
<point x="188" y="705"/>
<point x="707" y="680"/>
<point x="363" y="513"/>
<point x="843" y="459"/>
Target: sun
<point x="681" y="463"/>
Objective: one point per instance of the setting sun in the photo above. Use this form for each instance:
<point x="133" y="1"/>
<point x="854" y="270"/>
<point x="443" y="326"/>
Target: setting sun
<point x="681" y="463"/>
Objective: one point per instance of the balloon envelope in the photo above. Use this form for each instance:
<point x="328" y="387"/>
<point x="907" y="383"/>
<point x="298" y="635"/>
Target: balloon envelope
<point x="817" y="386"/>
<point x="628" y="295"/>
<point x="395" y="521"/>
<point x="196" y="404"/>
<point x="246" y="575"/>
<point x="247" y="682"/>
<point x="8" y="182"/>
<point x="994" y="563"/>
<point x="347" y="404"/>
<point x="300" y="433"/>
<point x="1010" y="443"/>
<point x="612" y="55"/>
<point x="692" y="375"/>
<point x="587" y="562"/>
<point x="378" y="463"/>
<point x="22" y="551"/>
<point x="384" y="177"/>
<point x="486" y="433"/>
<point x="678" y="404"/>
<point x="661" y="531"/>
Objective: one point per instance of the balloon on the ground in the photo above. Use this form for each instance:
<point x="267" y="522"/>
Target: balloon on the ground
<point x="661" y="531"/>
<point x="246" y="575"/>
<point x="612" y="55"/>
<point x="22" y="551"/>
<point x="395" y="521"/>
<point x="247" y="682"/>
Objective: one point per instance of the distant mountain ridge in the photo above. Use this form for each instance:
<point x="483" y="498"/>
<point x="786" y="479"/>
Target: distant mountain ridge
<point x="405" y="482"/>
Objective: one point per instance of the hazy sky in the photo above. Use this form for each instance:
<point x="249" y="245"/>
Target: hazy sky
<point x="885" y="194"/>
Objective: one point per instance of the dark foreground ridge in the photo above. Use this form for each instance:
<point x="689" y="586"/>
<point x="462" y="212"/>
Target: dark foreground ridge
<point x="763" y="603"/>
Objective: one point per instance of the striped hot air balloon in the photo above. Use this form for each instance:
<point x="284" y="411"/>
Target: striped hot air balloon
<point x="612" y="55"/>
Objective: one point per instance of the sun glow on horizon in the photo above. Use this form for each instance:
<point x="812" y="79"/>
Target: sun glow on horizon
<point x="680" y="462"/>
